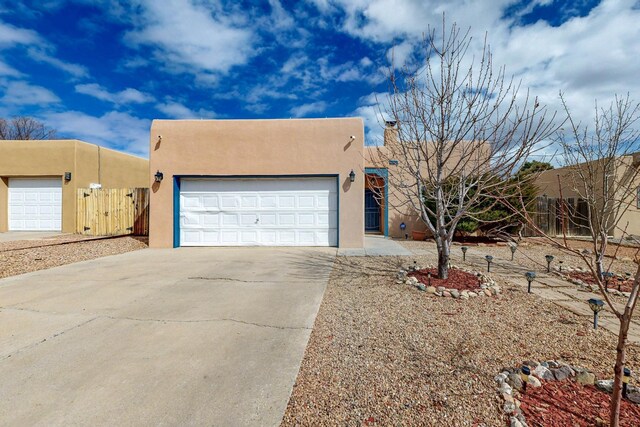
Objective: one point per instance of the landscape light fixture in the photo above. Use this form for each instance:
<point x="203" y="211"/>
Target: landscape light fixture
<point x="415" y="265"/>
<point x="513" y="248"/>
<point x="464" y="252"/>
<point x="159" y="176"/>
<point x="352" y="176"/>
<point x="549" y="259"/>
<point x="530" y="275"/>
<point x="625" y="381"/>
<point x="525" y="371"/>
<point x="607" y="275"/>
<point x="403" y="227"/>
<point x="560" y="266"/>
<point x="596" y="305"/>
<point x="489" y="258"/>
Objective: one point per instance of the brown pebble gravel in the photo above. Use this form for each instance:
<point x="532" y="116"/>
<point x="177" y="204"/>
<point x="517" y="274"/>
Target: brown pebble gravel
<point x="19" y="257"/>
<point x="387" y="354"/>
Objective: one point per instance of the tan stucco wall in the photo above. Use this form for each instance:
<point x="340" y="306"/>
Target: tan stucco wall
<point x="400" y="210"/>
<point x="53" y="158"/>
<point x="258" y="147"/>
<point x="550" y="182"/>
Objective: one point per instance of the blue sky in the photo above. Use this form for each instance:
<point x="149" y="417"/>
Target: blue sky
<point x="101" y="70"/>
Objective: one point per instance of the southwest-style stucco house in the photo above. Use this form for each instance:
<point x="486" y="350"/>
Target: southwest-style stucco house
<point x="623" y="179"/>
<point x="295" y="182"/>
<point x="39" y="180"/>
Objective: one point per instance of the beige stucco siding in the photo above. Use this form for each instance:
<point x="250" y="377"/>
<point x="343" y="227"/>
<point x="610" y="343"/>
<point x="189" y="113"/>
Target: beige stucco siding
<point x="87" y="163"/>
<point x="258" y="148"/>
<point x="568" y="179"/>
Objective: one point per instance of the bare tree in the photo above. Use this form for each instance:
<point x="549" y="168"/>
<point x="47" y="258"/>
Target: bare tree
<point x="23" y="128"/>
<point x="462" y="129"/>
<point x="602" y="167"/>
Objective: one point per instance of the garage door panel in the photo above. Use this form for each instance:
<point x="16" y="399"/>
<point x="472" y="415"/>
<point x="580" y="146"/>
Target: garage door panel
<point x="286" y="220"/>
<point x="35" y="204"/>
<point x="286" y="212"/>
<point x="287" y="202"/>
<point x="268" y="202"/>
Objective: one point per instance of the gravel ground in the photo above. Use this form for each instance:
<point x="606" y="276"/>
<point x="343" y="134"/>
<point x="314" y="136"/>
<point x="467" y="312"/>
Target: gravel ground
<point x="387" y="354"/>
<point x="19" y="257"/>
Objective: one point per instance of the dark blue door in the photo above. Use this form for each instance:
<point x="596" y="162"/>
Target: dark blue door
<point x="371" y="211"/>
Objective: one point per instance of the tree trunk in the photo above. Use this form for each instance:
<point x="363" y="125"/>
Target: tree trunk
<point x="444" y="254"/>
<point x="616" y="398"/>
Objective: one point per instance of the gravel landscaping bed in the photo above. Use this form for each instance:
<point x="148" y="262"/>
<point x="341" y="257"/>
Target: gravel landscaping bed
<point x="383" y="353"/>
<point x="19" y="257"/>
<point x="531" y="253"/>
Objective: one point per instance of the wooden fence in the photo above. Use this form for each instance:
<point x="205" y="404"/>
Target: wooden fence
<point x="554" y="219"/>
<point x="113" y="211"/>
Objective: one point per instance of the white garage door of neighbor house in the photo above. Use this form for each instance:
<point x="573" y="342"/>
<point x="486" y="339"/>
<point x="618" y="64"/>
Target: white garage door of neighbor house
<point x="259" y="212"/>
<point x="35" y="204"/>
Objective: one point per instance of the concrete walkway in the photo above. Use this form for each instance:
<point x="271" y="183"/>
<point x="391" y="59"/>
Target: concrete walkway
<point x="189" y="336"/>
<point x="549" y="287"/>
<point x="375" y="245"/>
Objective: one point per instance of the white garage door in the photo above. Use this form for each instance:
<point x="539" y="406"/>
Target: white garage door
<point x="35" y="204"/>
<point x="259" y="212"/>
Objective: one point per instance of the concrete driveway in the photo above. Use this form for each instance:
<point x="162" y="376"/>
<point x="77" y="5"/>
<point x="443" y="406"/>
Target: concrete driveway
<point x="10" y="236"/>
<point x="191" y="336"/>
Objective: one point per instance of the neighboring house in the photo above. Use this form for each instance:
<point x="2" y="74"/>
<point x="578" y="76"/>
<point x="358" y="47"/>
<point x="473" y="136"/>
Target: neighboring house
<point x="549" y="183"/>
<point x="39" y="180"/>
<point x="257" y="182"/>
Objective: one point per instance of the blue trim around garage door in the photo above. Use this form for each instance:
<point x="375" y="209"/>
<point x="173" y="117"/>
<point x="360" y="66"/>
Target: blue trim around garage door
<point x="384" y="174"/>
<point x="176" y="211"/>
<point x="176" y="195"/>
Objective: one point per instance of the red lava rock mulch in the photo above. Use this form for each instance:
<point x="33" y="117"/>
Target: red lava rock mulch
<point x="625" y="286"/>
<point x="571" y="404"/>
<point x="458" y="279"/>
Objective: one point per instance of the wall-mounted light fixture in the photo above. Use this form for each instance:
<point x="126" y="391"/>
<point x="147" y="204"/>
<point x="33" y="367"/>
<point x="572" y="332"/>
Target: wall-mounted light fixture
<point x="67" y="176"/>
<point x="159" y="176"/>
<point x="352" y="176"/>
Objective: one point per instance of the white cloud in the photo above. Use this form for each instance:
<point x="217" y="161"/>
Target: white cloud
<point x="192" y="38"/>
<point x="400" y="54"/>
<point x="310" y="108"/>
<point x="20" y="93"/>
<point x="586" y="57"/>
<point x="114" y="129"/>
<point x="7" y="70"/>
<point x="126" y="96"/>
<point x="11" y="36"/>
<point x="41" y="55"/>
<point x="38" y="49"/>
<point x="176" y="110"/>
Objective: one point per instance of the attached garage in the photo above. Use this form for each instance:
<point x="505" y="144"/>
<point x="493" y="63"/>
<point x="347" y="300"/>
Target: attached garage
<point x="300" y="211"/>
<point x="291" y="182"/>
<point x="35" y="204"/>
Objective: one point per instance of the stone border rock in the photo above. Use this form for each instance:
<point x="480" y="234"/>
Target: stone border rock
<point x="488" y="286"/>
<point x="582" y="285"/>
<point x="510" y="383"/>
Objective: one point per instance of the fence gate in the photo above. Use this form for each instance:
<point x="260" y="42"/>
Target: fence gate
<point x="555" y="217"/>
<point x="112" y="211"/>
